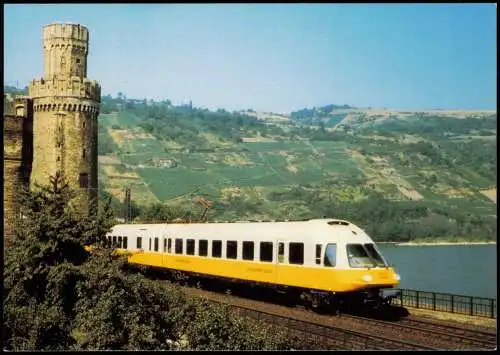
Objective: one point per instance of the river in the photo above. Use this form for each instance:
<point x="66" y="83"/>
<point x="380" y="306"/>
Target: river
<point x="469" y="270"/>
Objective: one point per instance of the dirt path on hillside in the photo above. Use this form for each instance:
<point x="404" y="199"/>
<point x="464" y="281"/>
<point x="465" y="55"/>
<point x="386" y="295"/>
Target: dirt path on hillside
<point x="345" y="120"/>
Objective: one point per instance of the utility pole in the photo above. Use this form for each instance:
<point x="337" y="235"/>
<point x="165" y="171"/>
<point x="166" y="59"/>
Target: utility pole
<point x="128" y="207"/>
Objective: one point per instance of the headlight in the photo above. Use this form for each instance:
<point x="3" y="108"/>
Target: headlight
<point x="367" y="278"/>
<point x="397" y="277"/>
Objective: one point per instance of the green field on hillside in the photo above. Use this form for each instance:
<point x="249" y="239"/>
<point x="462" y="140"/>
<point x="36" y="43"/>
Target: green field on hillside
<point x="366" y="172"/>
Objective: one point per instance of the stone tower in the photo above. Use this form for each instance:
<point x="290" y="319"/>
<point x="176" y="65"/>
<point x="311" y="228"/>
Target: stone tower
<point x="65" y="109"/>
<point x="17" y="150"/>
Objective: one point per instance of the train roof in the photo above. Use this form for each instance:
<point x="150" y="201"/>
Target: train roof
<point x="281" y="223"/>
<point x="243" y="229"/>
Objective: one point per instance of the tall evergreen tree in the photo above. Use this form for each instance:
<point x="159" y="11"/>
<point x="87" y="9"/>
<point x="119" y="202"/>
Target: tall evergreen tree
<point x="41" y="269"/>
<point x="59" y="296"/>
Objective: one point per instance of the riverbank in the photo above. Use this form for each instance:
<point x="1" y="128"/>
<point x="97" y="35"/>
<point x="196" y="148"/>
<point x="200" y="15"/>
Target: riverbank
<point x="455" y="317"/>
<point x="436" y="243"/>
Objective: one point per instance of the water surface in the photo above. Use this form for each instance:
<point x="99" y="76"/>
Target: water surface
<point x="469" y="270"/>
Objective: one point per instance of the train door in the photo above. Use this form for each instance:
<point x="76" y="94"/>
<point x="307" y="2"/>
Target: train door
<point x="164" y="241"/>
<point x="281" y="259"/>
<point x="167" y="249"/>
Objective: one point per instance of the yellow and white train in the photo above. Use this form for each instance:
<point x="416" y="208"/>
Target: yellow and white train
<point x="327" y="258"/>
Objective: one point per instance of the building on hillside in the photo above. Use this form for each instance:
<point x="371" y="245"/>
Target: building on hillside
<point x="56" y="124"/>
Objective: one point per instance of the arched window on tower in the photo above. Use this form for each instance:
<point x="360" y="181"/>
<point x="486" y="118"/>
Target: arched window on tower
<point x="78" y="67"/>
<point x="63" y="64"/>
<point x="20" y="110"/>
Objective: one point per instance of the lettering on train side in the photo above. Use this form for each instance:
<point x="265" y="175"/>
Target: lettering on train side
<point x="182" y="261"/>
<point x="265" y="271"/>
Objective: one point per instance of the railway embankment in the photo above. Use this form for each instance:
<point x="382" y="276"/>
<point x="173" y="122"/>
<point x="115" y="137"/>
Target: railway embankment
<point x="410" y="332"/>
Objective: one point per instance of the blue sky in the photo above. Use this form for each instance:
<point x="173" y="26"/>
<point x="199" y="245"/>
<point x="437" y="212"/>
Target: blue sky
<point x="274" y="57"/>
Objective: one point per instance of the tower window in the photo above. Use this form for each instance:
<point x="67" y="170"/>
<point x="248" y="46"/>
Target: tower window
<point x="20" y="110"/>
<point x="78" y="60"/>
<point x="83" y="154"/>
<point x="84" y="180"/>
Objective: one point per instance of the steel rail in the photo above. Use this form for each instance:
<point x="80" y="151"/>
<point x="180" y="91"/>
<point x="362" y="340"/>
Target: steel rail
<point x="329" y="335"/>
<point x="468" y="339"/>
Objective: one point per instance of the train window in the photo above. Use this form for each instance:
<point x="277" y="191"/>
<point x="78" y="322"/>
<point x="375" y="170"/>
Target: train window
<point x="203" y="247"/>
<point x="216" y="248"/>
<point x="358" y="256"/>
<point x="281" y="252"/>
<point x="247" y="250"/>
<point x="119" y="242"/>
<point x="165" y="245"/>
<point x="266" y="251"/>
<point x="178" y="246"/>
<point x="139" y="242"/>
<point x="169" y="245"/>
<point x="149" y="243"/>
<point x="296" y="251"/>
<point x="156" y="244"/>
<point x="231" y="249"/>
<point x="190" y="247"/>
<point x="125" y="242"/>
<point x="318" y="254"/>
<point x="375" y="254"/>
<point x="330" y="258"/>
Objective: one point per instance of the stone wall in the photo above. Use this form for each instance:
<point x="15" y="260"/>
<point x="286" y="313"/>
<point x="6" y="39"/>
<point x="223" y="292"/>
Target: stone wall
<point x="18" y="154"/>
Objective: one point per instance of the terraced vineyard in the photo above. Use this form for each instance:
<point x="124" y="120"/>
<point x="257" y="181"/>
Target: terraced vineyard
<point x="301" y="169"/>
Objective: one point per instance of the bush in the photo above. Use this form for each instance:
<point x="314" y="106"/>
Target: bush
<point x="58" y="296"/>
<point x="215" y="327"/>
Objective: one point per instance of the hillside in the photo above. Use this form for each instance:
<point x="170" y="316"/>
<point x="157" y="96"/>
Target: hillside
<point x="401" y="175"/>
<point x="419" y="176"/>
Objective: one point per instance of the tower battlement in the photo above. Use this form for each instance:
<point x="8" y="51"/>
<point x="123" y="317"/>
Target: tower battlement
<point x="65" y="48"/>
<point x="72" y="87"/>
<point x="69" y="31"/>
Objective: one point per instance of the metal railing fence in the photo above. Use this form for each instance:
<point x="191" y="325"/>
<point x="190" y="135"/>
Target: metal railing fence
<point x="447" y="302"/>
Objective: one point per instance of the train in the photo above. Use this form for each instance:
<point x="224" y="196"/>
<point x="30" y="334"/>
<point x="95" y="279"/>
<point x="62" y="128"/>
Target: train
<point x="328" y="262"/>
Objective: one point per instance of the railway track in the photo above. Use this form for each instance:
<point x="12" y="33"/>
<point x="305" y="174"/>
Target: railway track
<point x="325" y="335"/>
<point x="465" y="339"/>
<point x="348" y="331"/>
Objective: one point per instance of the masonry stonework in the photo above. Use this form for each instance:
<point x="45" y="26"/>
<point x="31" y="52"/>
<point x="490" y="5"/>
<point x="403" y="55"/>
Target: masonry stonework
<point x="55" y="127"/>
<point x="18" y="153"/>
<point x="65" y="108"/>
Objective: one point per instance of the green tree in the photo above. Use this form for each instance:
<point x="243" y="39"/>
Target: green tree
<point x="41" y="270"/>
<point x="59" y="296"/>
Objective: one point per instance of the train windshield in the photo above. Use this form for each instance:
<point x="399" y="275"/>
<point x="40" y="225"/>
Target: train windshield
<point x="364" y="256"/>
<point x="358" y="256"/>
<point x="375" y="255"/>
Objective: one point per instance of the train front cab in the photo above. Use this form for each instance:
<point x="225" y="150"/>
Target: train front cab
<point x="371" y="274"/>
